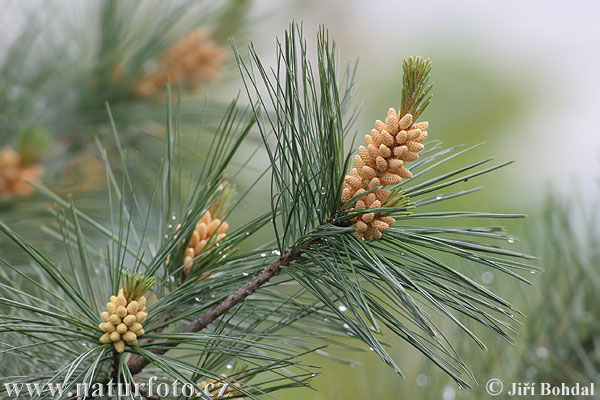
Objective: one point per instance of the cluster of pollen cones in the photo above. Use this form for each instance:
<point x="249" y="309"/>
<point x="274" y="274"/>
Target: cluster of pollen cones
<point x="123" y="321"/>
<point x="205" y="228"/>
<point x="389" y="147"/>
<point x="14" y="175"/>
<point x="195" y="57"/>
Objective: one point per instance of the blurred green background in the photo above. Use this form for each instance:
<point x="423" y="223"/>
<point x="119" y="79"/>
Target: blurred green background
<point x="520" y="77"/>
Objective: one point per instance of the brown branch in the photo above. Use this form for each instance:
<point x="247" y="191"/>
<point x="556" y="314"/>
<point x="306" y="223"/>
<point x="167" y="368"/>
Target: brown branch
<point x="137" y="363"/>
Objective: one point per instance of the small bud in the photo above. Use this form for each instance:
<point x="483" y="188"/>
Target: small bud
<point x="400" y="151"/>
<point x="115" y="319"/>
<point x="132" y="307"/>
<point x="413" y="134"/>
<point x="358" y="162"/>
<point x="410" y="156"/>
<point x="121" y="311"/>
<point x="405" y="121"/>
<point x="140" y="317"/>
<point x="113" y="299"/>
<point x="142" y="301"/>
<point x="223" y="228"/>
<point x="373" y="152"/>
<point x="121" y="328"/>
<point x="105" y="338"/>
<point x="129" y="337"/>
<point x="401" y="137"/>
<point x="115" y="336"/>
<point x="194" y="240"/>
<point x="384" y="151"/>
<point x="388" y="220"/>
<point x="361" y="226"/>
<point x="368" y="217"/>
<point x="105" y="316"/>
<point x="136" y="327"/>
<point x="381" y="163"/>
<point x="202" y="229"/>
<point x="380" y="225"/>
<point x="129" y="320"/>
<point x="121" y="300"/>
<point x="111" y="307"/>
<point x="120" y="346"/>
<point x="414" y="146"/>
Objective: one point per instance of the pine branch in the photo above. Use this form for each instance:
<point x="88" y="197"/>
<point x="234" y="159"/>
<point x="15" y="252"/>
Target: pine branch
<point x="137" y="362"/>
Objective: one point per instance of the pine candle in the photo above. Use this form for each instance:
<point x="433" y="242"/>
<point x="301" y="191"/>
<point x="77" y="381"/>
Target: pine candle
<point x="123" y="321"/>
<point x="381" y="163"/>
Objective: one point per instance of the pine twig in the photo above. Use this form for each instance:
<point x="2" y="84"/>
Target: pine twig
<point x="137" y="362"/>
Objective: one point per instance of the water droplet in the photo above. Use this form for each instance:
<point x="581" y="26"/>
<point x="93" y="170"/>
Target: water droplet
<point x="439" y="197"/>
<point x="372" y="349"/>
<point x="449" y="392"/>
<point x="173" y="217"/>
<point x="511" y="239"/>
<point x="487" y="277"/>
<point x="323" y="191"/>
<point x="263" y="254"/>
<point x="245" y="273"/>
<point x="542" y="352"/>
<point x="229" y="366"/>
<point x="198" y="299"/>
<point x="166" y="236"/>
<point x="326" y="320"/>
<point x="170" y="226"/>
<point x="212" y="295"/>
<point x="224" y="255"/>
<point x="313" y="375"/>
<point x="342" y="308"/>
<point x="422" y="380"/>
<point x="352" y="365"/>
<point x="172" y="278"/>
<point x="276" y="252"/>
<point x="532" y="271"/>
<point x="85" y="344"/>
<point x="346" y="326"/>
<point x="247" y="233"/>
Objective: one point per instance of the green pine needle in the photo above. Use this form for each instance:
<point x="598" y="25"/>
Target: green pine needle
<point x="416" y="92"/>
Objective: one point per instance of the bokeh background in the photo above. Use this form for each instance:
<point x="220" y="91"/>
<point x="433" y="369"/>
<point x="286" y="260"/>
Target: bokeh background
<point x="520" y="77"/>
